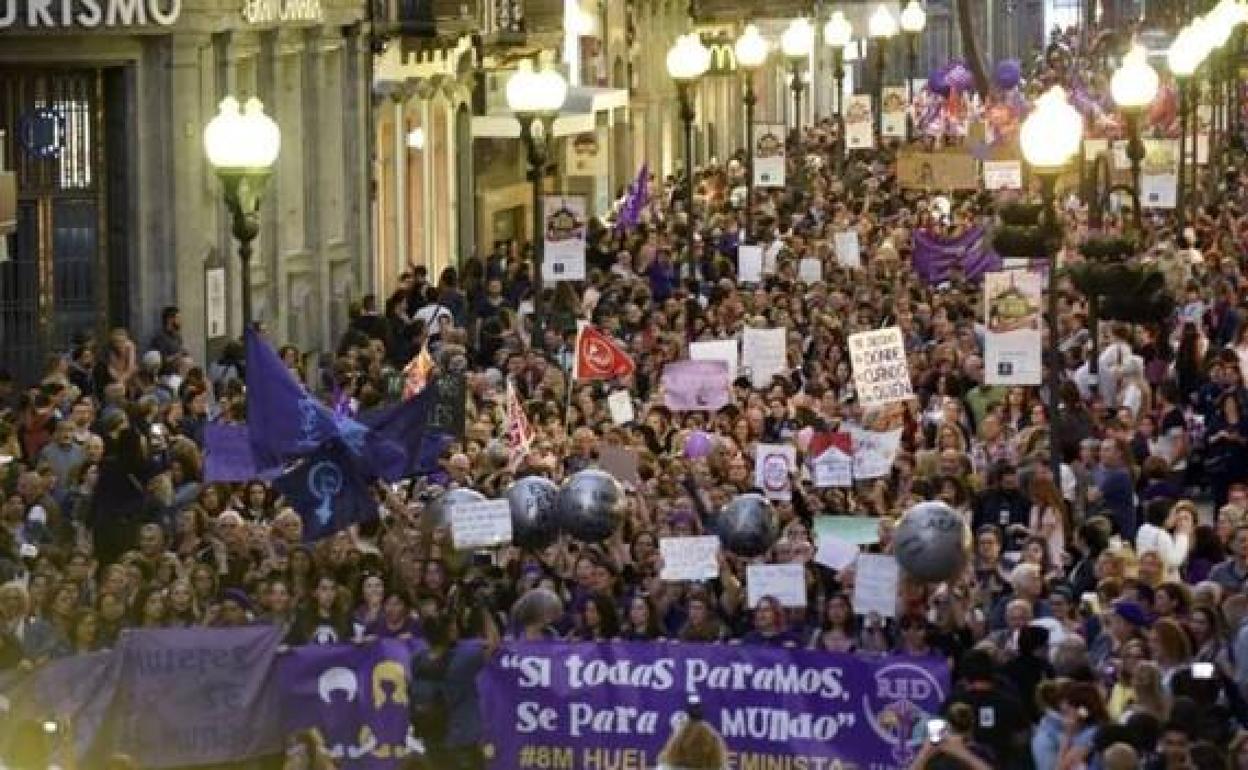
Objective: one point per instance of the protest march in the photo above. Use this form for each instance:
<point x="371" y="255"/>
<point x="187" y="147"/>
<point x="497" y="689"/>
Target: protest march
<point x="870" y="460"/>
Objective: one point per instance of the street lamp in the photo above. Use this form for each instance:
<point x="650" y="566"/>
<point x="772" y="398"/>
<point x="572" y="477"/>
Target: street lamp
<point x="913" y="22"/>
<point x="881" y="27"/>
<point x="1184" y="57"/>
<point x="751" y="50"/>
<point x="242" y="144"/>
<point x="796" y="43"/>
<point x="535" y="98"/>
<point x="1049" y="138"/>
<point x="1134" y="86"/>
<point x="838" y="33"/>
<point x="687" y="61"/>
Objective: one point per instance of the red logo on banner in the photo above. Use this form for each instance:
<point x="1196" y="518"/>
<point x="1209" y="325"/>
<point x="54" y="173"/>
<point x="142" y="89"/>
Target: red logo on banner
<point x="598" y="357"/>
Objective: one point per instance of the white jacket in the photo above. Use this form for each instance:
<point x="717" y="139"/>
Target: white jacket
<point x="1171" y="548"/>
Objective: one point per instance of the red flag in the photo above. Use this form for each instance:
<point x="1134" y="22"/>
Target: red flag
<point x="519" y="431"/>
<point x="416" y="373"/>
<point x="598" y="357"/>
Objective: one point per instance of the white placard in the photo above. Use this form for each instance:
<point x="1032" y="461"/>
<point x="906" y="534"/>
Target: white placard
<point x="769" y="155"/>
<point x="749" y="263"/>
<point x="1014" y="332"/>
<point x="621" y="405"/>
<point x="773" y="468"/>
<point x="875" y="585"/>
<point x="1003" y="175"/>
<point x="481" y="525"/>
<point x="785" y="582"/>
<point x="881" y="372"/>
<point x="833" y="468"/>
<point x="564" y="238"/>
<point x="810" y="270"/>
<point x="1159" y="191"/>
<point x="763" y="354"/>
<point x="874" y="451"/>
<point x="717" y="350"/>
<point x="835" y="553"/>
<point x="848" y="251"/>
<point x="689" y="558"/>
<point x="214" y="301"/>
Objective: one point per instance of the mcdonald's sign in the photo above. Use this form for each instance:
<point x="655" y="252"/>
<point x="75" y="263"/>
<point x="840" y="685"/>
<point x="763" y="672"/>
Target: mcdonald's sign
<point x="723" y="57"/>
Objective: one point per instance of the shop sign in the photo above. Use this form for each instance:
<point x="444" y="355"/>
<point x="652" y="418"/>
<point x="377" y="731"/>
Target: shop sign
<point x="272" y="11"/>
<point x="88" y="14"/>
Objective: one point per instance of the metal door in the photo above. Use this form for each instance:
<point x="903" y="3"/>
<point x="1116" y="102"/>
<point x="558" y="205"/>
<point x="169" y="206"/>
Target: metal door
<point x="53" y="289"/>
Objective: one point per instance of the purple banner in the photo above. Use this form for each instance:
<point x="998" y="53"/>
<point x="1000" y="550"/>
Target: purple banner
<point x="696" y="386"/>
<point x="355" y="695"/>
<point x="227" y="453"/>
<point x="934" y="258"/>
<point x="198" y="696"/>
<point x="552" y="705"/>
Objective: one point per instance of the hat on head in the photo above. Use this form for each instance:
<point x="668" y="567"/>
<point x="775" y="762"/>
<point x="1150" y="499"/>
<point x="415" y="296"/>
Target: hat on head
<point x="1132" y="613"/>
<point x="238" y="596"/>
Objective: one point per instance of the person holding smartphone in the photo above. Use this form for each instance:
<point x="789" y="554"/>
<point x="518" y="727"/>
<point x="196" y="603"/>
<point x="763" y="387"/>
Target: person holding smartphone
<point x="950" y="746"/>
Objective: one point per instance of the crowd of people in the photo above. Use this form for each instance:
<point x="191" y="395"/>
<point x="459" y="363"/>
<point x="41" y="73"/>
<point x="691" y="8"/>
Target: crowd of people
<point x="1100" y="621"/>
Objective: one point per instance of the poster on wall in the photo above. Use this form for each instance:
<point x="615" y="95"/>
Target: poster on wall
<point x="893" y="117"/>
<point x="769" y="155"/>
<point x="1012" y="302"/>
<point x="859" y="131"/>
<point x="564" y="238"/>
<point x="587" y="154"/>
<point x="1159" y="174"/>
<point x="956" y="170"/>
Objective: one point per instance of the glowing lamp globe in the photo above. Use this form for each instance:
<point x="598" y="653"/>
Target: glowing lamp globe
<point x="751" y="48"/>
<point x="798" y="39"/>
<point x="688" y="59"/>
<point x="1134" y="84"/>
<point x="242" y="137"/>
<point x="881" y="25"/>
<point x="838" y="32"/>
<point x="913" y="18"/>
<point x="536" y="93"/>
<point x="1052" y="133"/>
<point x="1185" y="54"/>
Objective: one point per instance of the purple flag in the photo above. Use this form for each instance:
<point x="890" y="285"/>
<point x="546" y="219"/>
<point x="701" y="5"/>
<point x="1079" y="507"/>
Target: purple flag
<point x="330" y="491"/>
<point x="197" y="696"/>
<point x="355" y="695"/>
<point x="227" y="453"/>
<point x="612" y="704"/>
<point x="934" y="257"/>
<point x="637" y="198"/>
<point x="697" y="386"/>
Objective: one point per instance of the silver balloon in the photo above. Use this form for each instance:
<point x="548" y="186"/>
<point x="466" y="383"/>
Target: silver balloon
<point x="438" y="514"/>
<point x="748" y="525"/>
<point x="591" y="506"/>
<point x="534" y="519"/>
<point x="932" y="542"/>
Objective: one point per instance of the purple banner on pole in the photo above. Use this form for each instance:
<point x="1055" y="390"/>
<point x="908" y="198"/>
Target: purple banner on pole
<point x="613" y="705"/>
<point x="696" y="386"/>
<point x="198" y="696"/>
<point x="355" y="695"/>
<point x="934" y="257"/>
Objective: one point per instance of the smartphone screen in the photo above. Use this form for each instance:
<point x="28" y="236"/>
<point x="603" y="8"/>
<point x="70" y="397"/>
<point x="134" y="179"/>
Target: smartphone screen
<point x="937" y="729"/>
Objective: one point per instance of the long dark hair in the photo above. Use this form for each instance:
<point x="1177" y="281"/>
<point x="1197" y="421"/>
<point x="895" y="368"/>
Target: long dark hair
<point x="608" y="616"/>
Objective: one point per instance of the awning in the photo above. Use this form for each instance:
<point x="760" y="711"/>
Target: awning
<point x="578" y="116"/>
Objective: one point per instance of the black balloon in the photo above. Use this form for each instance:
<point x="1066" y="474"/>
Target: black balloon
<point x="591" y="506"/>
<point x="438" y="513"/>
<point x="534" y="517"/>
<point x="748" y="525"/>
<point x="932" y="542"/>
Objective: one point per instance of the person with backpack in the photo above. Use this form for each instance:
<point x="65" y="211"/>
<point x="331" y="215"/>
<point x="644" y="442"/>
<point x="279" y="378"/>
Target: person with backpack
<point x="443" y="693"/>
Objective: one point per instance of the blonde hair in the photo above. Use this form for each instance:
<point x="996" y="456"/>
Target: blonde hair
<point x="1150" y="698"/>
<point x="695" y="746"/>
<point x="1120" y="756"/>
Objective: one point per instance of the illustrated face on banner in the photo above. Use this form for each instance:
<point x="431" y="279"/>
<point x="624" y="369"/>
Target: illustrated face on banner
<point x="768" y="146"/>
<point x="775" y="472"/>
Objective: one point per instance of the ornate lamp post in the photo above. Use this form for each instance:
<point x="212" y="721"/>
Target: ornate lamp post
<point x="881" y="27"/>
<point x="1184" y="57"/>
<point x="837" y="34"/>
<point x="1049" y="137"/>
<point x="913" y="22"/>
<point x="796" y="43"/>
<point x="1134" y="86"/>
<point x="687" y="61"/>
<point x="751" y="50"/>
<point x="242" y="145"/>
<point x="536" y="98"/>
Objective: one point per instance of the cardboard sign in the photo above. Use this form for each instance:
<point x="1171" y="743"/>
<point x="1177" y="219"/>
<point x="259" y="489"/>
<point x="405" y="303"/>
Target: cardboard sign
<point x="620" y="462"/>
<point x="764" y="354"/>
<point x="481" y="525"/>
<point x="773" y="468"/>
<point x="1003" y="175"/>
<point x="848" y="251"/>
<point x="856" y="530"/>
<point x="835" y="553"/>
<point x="621" y="405"/>
<point x="785" y="582"/>
<point x="834" y="467"/>
<point x="875" y="585"/>
<point x="881" y="371"/>
<point x="874" y="451"/>
<point x="810" y="270"/>
<point x="717" y="350"/>
<point x="953" y="170"/>
<point x="689" y="558"/>
<point x="749" y="263"/>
